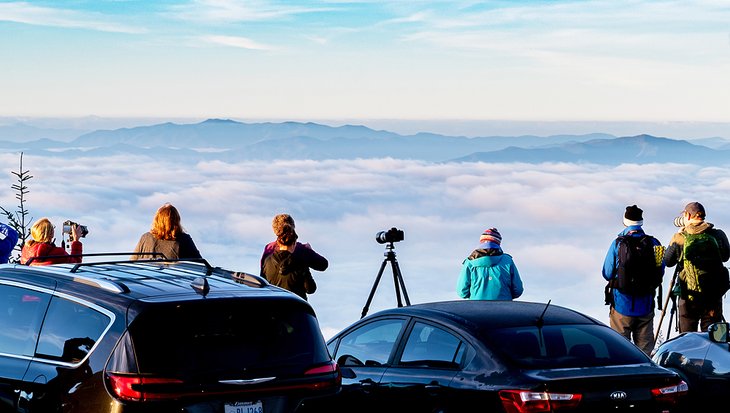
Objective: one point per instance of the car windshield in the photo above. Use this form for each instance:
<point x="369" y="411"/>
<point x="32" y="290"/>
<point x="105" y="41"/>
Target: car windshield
<point x="232" y="339"/>
<point x="563" y="346"/>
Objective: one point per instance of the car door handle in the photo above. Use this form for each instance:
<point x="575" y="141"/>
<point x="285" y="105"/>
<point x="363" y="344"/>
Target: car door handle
<point x="433" y="388"/>
<point x="367" y="383"/>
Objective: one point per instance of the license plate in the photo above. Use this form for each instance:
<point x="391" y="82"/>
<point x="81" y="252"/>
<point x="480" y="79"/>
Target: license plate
<point x="244" y="407"/>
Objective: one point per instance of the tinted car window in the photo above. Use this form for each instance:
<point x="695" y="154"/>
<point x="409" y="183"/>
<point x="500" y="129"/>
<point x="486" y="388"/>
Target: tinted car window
<point x="564" y="346"/>
<point x="227" y="338"/>
<point x="369" y="345"/>
<point x="70" y="330"/>
<point x="431" y="346"/>
<point x="21" y="314"/>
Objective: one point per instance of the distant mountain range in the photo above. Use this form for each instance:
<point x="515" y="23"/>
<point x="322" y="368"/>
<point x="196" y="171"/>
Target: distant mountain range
<point x="230" y="141"/>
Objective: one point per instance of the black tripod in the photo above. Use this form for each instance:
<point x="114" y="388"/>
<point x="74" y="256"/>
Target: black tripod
<point x="400" y="286"/>
<point x="672" y="312"/>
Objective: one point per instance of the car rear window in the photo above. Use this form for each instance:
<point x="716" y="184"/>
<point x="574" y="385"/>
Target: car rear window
<point x="227" y="338"/>
<point x="563" y="346"/>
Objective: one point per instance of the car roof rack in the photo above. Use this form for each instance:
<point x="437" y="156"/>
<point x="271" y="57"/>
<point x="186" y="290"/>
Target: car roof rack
<point x="162" y="259"/>
<point x="94" y="270"/>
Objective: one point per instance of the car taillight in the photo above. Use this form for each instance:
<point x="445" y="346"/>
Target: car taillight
<point x="521" y="401"/>
<point x="133" y="387"/>
<point x="139" y="388"/>
<point x="328" y="368"/>
<point x="670" y="394"/>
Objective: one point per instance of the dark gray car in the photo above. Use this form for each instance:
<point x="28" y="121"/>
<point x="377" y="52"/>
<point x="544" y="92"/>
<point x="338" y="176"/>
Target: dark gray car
<point x="155" y="336"/>
<point x="494" y="356"/>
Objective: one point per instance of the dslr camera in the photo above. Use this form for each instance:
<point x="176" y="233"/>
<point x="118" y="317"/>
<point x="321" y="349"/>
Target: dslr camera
<point x="391" y="235"/>
<point x="68" y="225"/>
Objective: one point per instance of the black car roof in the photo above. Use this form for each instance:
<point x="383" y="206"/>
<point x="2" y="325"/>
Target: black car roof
<point x="482" y="314"/>
<point x="151" y="279"/>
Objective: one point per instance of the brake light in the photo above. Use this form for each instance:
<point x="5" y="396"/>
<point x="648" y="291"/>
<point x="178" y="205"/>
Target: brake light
<point x="131" y="387"/>
<point x="139" y="388"/>
<point x="670" y="394"/>
<point x="520" y="401"/>
<point x="329" y="368"/>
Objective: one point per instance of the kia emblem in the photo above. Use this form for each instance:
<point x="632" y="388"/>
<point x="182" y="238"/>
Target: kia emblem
<point x="618" y="395"/>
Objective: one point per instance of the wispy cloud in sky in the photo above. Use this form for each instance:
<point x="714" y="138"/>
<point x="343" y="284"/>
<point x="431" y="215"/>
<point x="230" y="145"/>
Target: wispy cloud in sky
<point x="228" y="11"/>
<point x="236" y="41"/>
<point x="604" y="60"/>
<point x="27" y="13"/>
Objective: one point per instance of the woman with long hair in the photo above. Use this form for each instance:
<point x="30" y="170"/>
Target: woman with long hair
<point x="289" y="265"/>
<point x="166" y="237"/>
<point x="41" y="248"/>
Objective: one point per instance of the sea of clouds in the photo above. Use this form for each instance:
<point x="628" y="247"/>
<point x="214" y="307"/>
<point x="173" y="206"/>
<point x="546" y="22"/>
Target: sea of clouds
<point x="557" y="220"/>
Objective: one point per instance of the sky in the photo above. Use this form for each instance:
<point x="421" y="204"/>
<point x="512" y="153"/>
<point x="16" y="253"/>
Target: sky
<point x="585" y="61"/>
<point x="556" y="220"/>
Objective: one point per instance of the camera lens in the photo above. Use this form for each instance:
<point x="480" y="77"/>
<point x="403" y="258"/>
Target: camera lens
<point x="392" y="235"/>
<point x="381" y="237"/>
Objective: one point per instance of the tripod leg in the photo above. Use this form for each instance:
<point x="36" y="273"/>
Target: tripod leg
<point x="397" y="289"/>
<point x="372" y="291"/>
<point x="666" y="302"/>
<point x="399" y="279"/>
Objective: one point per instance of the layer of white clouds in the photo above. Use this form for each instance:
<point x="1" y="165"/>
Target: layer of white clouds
<point x="557" y="220"/>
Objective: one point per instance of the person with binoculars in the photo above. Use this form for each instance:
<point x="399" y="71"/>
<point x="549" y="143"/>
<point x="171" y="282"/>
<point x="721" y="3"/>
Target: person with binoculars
<point x="41" y="250"/>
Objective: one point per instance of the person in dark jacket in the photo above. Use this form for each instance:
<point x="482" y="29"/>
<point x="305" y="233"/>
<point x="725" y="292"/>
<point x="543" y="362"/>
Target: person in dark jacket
<point x="707" y="309"/>
<point x="277" y="224"/>
<point x="166" y="237"/>
<point x="41" y="245"/>
<point x="289" y="266"/>
<point x="632" y="316"/>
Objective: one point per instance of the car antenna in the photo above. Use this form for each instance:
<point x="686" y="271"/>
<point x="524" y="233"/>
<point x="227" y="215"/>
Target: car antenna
<point x="541" y="322"/>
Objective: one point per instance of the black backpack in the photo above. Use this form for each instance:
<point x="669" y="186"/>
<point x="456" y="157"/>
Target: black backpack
<point x="639" y="266"/>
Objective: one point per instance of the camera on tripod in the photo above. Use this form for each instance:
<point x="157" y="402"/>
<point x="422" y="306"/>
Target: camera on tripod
<point x="68" y="225"/>
<point x="392" y="235"/>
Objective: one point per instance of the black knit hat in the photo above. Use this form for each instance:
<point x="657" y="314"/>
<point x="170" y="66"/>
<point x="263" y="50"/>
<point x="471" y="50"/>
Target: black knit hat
<point x="633" y="216"/>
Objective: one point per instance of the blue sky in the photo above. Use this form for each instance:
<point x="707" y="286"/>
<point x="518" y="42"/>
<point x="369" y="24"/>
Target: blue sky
<point x="520" y="60"/>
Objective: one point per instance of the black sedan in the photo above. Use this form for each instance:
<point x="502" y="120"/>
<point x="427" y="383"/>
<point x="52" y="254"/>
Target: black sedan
<point x="494" y="356"/>
<point x="703" y="361"/>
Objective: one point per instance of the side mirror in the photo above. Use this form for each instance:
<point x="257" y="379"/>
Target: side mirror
<point x="347" y="373"/>
<point x="719" y="332"/>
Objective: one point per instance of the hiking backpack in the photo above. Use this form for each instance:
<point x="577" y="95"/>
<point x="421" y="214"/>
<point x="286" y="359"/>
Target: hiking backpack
<point x="639" y="269"/>
<point x="704" y="273"/>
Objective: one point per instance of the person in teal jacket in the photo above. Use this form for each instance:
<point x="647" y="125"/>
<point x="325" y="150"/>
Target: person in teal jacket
<point x="488" y="273"/>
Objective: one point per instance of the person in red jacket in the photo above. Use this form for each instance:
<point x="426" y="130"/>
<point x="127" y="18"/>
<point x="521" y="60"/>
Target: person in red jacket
<point x="41" y="245"/>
